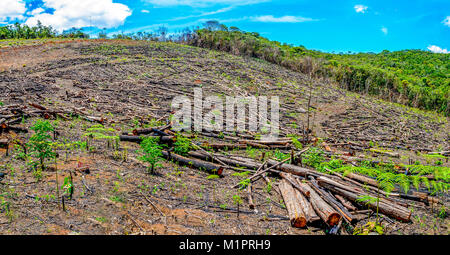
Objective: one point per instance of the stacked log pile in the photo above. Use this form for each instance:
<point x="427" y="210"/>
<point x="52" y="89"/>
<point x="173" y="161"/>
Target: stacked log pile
<point x="310" y="197"/>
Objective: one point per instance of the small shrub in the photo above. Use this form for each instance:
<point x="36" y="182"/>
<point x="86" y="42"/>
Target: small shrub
<point x="152" y="152"/>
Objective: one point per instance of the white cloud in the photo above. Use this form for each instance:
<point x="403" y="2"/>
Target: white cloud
<point x="82" y="13"/>
<point x="384" y="30"/>
<point x="145" y="11"/>
<point x="284" y="19"/>
<point x="223" y="10"/>
<point x="446" y="21"/>
<point x="359" y="8"/>
<point x="437" y="49"/>
<point x="12" y="9"/>
<point x="37" y="11"/>
<point x="202" y="3"/>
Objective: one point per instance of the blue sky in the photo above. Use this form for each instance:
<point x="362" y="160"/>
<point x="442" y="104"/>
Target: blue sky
<point x="326" y="25"/>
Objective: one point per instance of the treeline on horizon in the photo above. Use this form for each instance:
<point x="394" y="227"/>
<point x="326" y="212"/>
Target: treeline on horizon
<point x="415" y="78"/>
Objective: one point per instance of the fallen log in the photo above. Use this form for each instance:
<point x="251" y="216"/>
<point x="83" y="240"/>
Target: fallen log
<point x="226" y="160"/>
<point x="346" y="203"/>
<point x="138" y="139"/>
<point x="84" y="170"/>
<point x="295" y="184"/>
<point x="16" y="129"/>
<point x="296" y="214"/>
<point x="276" y="142"/>
<point x="226" y="146"/>
<point x="4" y="143"/>
<point x="386" y="153"/>
<point x="251" y="205"/>
<point x="361" y="191"/>
<point x="200" y="164"/>
<point x="310" y="215"/>
<point x="443" y="153"/>
<point x="293" y="169"/>
<point x="46" y="112"/>
<point x="94" y="119"/>
<point x="391" y="209"/>
<point x="324" y="210"/>
<point x="412" y="195"/>
<point x="147" y="131"/>
<point x="307" y="208"/>
<point x="362" y="179"/>
<point x="333" y="202"/>
<point x="219" y="136"/>
<point x="255" y="145"/>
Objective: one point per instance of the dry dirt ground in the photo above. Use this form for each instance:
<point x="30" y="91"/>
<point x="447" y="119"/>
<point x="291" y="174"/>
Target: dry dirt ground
<point x="132" y="83"/>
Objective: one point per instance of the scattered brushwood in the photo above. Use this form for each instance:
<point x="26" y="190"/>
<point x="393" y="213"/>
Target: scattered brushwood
<point x="365" y="122"/>
<point x="196" y="163"/>
<point x="310" y="196"/>
<point x="12" y="115"/>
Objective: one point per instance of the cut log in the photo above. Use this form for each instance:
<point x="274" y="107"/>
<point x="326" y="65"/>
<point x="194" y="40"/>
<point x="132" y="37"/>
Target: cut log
<point x="138" y="139"/>
<point x="412" y="195"/>
<point x="16" y="129"/>
<point x="84" y="170"/>
<point x="324" y="210"/>
<point x="310" y="214"/>
<point x="251" y="205"/>
<point x="363" y="179"/>
<point x="346" y="203"/>
<point x="386" y="153"/>
<point x="147" y="131"/>
<point x="296" y="214"/>
<point x="307" y="208"/>
<point x="255" y="144"/>
<point x="293" y="169"/>
<point x="4" y="143"/>
<point x="294" y="183"/>
<point x="226" y="160"/>
<point x="333" y="202"/>
<point x="226" y="146"/>
<point x="277" y="142"/>
<point x="220" y="136"/>
<point x="443" y="153"/>
<point x="390" y="209"/>
<point x="94" y="119"/>
<point x="200" y="164"/>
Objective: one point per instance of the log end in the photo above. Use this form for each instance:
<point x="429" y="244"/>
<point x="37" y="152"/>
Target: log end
<point x="333" y="219"/>
<point x="299" y="222"/>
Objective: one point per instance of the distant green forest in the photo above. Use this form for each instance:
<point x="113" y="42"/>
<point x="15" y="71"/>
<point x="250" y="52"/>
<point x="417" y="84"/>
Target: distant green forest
<point x="412" y="77"/>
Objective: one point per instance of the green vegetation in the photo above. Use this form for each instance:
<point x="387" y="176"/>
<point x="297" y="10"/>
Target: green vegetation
<point x="40" y="144"/>
<point x="22" y="31"/>
<point x="67" y="187"/>
<point x="412" y="77"/>
<point x="386" y="174"/>
<point x="99" y="132"/>
<point x="182" y="146"/>
<point x="152" y="152"/>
